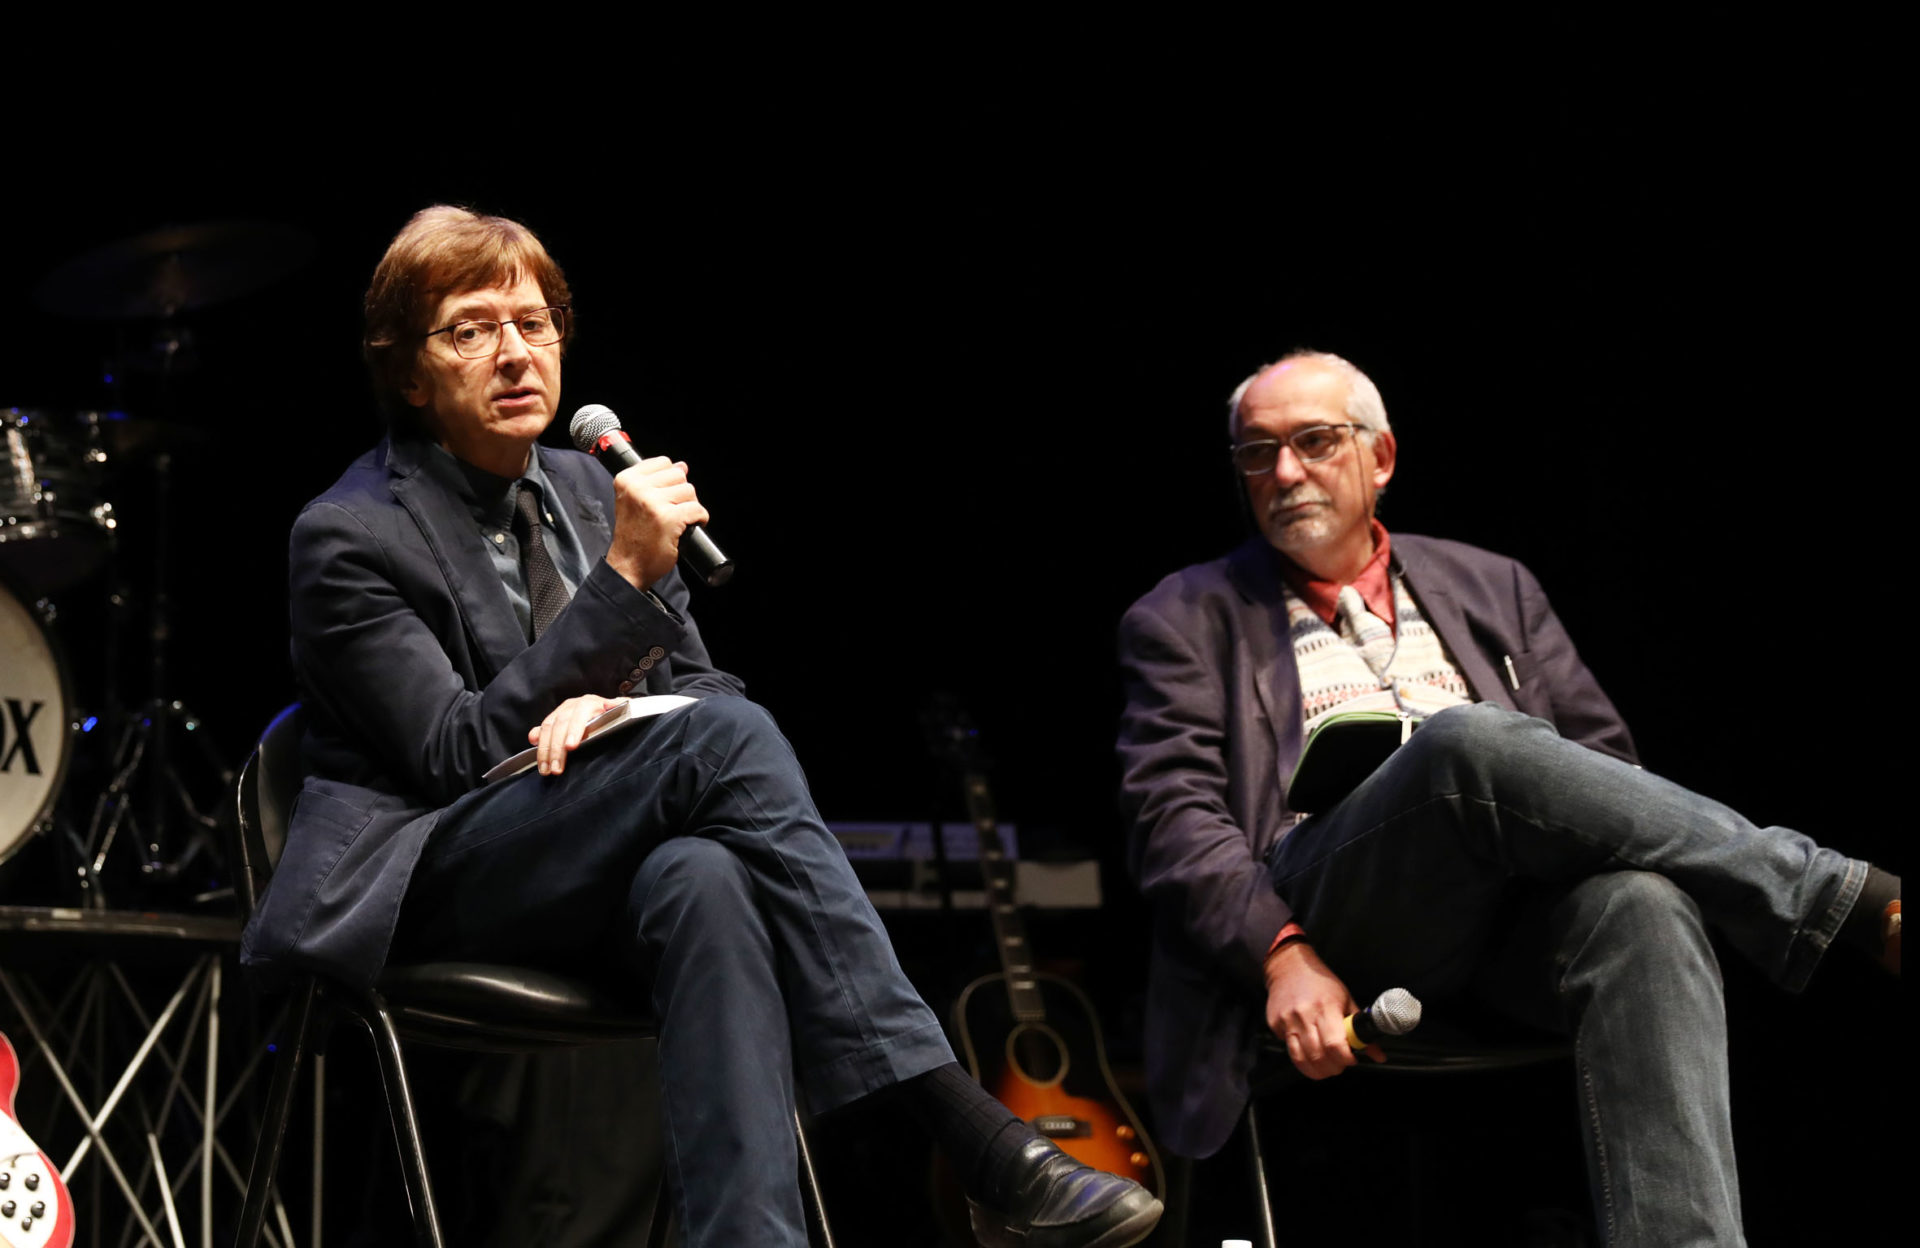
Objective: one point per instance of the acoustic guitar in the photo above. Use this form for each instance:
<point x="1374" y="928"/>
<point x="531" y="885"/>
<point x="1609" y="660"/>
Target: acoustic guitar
<point x="1032" y="1039"/>
<point x="35" y="1210"/>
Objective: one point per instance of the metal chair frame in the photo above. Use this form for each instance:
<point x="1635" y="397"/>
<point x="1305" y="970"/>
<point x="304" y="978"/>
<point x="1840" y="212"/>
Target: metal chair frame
<point x="1413" y="1057"/>
<point x="448" y="1005"/>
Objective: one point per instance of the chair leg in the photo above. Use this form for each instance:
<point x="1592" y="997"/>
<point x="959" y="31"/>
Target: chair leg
<point x="295" y="1037"/>
<point x="810" y="1197"/>
<point x="372" y="1011"/>
<point x="1257" y="1162"/>
<point x="810" y="1184"/>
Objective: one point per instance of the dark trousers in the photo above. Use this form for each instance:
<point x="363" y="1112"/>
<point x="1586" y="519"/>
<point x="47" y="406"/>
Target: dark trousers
<point x="686" y="854"/>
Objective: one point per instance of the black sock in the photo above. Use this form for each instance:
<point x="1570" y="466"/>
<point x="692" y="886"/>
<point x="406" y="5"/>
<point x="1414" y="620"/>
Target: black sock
<point x="1862" y="926"/>
<point x="978" y="1134"/>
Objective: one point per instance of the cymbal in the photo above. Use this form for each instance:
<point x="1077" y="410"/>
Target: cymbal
<point x="132" y="438"/>
<point x="174" y="269"/>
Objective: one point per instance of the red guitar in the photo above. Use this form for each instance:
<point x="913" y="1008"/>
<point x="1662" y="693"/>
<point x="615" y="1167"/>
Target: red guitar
<point x="1033" y="1039"/>
<point x="35" y="1210"/>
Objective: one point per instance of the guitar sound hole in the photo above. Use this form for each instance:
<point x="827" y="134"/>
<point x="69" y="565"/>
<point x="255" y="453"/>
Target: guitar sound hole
<point x="1037" y="1053"/>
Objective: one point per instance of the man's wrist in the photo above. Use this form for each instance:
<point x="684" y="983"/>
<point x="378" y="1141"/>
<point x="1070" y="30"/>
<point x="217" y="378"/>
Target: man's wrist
<point x="1288" y="934"/>
<point x="1292" y="937"/>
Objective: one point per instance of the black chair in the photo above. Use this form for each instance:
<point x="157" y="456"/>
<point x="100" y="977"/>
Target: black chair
<point x="1436" y="1050"/>
<point x="468" y="1006"/>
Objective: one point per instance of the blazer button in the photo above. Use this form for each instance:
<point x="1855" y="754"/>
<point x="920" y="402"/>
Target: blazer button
<point x="625" y="685"/>
<point x="657" y="653"/>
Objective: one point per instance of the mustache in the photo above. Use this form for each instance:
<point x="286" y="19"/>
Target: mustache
<point x="1297" y="496"/>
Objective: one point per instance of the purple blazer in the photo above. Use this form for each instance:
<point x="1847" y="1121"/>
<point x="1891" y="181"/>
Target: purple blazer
<point x="1212" y="728"/>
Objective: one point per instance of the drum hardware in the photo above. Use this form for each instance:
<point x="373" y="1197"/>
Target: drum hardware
<point x="138" y="752"/>
<point x="56" y="529"/>
<point x="48" y="544"/>
<point x="54" y="526"/>
<point x="144" y="777"/>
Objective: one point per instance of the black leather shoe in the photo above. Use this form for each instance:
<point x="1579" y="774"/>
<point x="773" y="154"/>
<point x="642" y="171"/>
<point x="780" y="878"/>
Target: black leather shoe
<point x="1049" y="1200"/>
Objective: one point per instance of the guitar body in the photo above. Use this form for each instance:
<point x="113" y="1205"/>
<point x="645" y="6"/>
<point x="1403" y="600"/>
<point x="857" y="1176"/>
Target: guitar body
<point x="28" y="1178"/>
<point x="1052" y="1071"/>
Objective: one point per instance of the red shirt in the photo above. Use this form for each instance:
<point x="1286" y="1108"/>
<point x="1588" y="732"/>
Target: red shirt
<point x="1373" y="584"/>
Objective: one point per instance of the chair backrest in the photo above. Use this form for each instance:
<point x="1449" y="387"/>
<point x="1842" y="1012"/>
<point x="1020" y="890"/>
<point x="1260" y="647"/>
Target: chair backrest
<point x="263" y="799"/>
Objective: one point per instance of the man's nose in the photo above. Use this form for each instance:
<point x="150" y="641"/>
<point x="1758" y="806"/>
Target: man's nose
<point x="513" y="346"/>
<point x="1287" y="468"/>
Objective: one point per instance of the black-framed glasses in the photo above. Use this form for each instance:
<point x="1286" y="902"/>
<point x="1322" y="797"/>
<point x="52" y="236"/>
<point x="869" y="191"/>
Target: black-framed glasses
<point x="476" y="340"/>
<point x="1311" y="445"/>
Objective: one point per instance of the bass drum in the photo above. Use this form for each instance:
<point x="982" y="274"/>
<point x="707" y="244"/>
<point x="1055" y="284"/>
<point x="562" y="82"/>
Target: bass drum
<point x="36" y="711"/>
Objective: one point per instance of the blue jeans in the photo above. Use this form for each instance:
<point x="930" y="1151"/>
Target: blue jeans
<point x="1572" y="889"/>
<point x="685" y="853"/>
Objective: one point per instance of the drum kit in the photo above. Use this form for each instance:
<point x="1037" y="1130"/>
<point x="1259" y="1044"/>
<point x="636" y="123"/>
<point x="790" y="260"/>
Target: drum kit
<point x="137" y="829"/>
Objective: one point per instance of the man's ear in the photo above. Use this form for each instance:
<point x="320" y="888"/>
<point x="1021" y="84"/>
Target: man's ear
<point x="1384" y="451"/>
<point x="413" y="392"/>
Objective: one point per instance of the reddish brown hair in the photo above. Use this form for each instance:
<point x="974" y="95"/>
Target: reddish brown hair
<point x="444" y="250"/>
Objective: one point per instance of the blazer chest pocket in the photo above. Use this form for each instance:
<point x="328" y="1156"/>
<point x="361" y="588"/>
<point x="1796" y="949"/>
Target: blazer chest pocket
<point x="1521" y="675"/>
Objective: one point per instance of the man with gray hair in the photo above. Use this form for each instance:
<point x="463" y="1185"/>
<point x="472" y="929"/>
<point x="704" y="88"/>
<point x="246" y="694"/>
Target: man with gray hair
<point x="1511" y="849"/>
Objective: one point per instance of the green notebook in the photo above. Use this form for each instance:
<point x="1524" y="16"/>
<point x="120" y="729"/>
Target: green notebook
<point x="1343" y="749"/>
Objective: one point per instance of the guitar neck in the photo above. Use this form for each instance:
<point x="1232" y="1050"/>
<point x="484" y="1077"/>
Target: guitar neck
<point x="1009" y="930"/>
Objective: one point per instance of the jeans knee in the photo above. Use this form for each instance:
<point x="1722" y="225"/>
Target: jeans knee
<point x="1638" y="912"/>
<point x="737" y="714"/>
<point x="688" y="876"/>
<point x="1476" y="734"/>
<point x="696" y="925"/>
<point x="728" y="722"/>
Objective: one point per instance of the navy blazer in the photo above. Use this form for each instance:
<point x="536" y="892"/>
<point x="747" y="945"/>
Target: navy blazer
<point x="417" y="678"/>
<point x="1212" y="728"/>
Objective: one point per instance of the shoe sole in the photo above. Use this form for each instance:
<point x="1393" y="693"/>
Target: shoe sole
<point x="1120" y="1235"/>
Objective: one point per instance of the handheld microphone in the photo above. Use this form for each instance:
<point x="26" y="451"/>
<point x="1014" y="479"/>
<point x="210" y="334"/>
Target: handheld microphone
<point x="596" y="430"/>
<point x="1395" y="1013"/>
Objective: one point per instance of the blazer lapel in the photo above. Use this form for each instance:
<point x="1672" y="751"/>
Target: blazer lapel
<point x="1254" y="571"/>
<point x="1449" y="619"/>
<point x="450" y="535"/>
<point x="584" y="482"/>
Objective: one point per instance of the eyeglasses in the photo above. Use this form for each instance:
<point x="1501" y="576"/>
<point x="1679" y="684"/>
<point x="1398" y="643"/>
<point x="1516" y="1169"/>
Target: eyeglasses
<point x="476" y="340"/>
<point x="1310" y="445"/>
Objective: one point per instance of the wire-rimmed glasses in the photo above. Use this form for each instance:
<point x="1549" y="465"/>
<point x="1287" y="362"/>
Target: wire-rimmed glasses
<point x="476" y="340"/>
<point x="1311" y="445"/>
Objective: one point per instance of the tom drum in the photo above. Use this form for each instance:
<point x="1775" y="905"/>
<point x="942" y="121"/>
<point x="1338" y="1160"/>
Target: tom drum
<point x="53" y="525"/>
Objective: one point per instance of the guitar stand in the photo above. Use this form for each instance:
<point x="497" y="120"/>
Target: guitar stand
<point x="143" y="1086"/>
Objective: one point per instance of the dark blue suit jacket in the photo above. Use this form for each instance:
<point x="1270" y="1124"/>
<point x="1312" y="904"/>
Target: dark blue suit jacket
<point x="1211" y="730"/>
<point x="417" y="678"/>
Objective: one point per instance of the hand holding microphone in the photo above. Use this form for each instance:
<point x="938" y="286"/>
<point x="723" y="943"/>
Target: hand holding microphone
<point x="596" y="430"/>
<point x="1324" y="1029"/>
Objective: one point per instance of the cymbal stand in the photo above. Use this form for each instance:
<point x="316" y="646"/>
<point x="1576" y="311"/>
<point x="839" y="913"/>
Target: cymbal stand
<point x="144" y="749"/>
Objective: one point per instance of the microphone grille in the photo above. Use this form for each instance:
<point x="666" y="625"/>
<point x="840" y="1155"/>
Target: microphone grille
<point x="590" y="424"/>
<point x="1396" y="1013"/>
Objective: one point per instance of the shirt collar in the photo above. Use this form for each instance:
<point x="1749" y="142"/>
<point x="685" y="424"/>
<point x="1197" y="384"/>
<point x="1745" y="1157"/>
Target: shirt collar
<point x="489" y="497"/>
<point x="1374" y="584"/>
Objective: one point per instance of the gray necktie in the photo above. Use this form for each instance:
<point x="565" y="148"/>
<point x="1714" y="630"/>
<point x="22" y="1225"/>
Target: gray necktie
<point x="1368" y="631"/>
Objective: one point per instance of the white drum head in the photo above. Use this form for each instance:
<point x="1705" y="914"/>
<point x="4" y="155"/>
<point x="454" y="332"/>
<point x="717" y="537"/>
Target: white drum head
<point x="34" y="714"/>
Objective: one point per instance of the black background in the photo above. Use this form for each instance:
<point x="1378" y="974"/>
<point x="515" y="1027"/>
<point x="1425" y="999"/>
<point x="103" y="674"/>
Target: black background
<point x="951" y="383"/>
